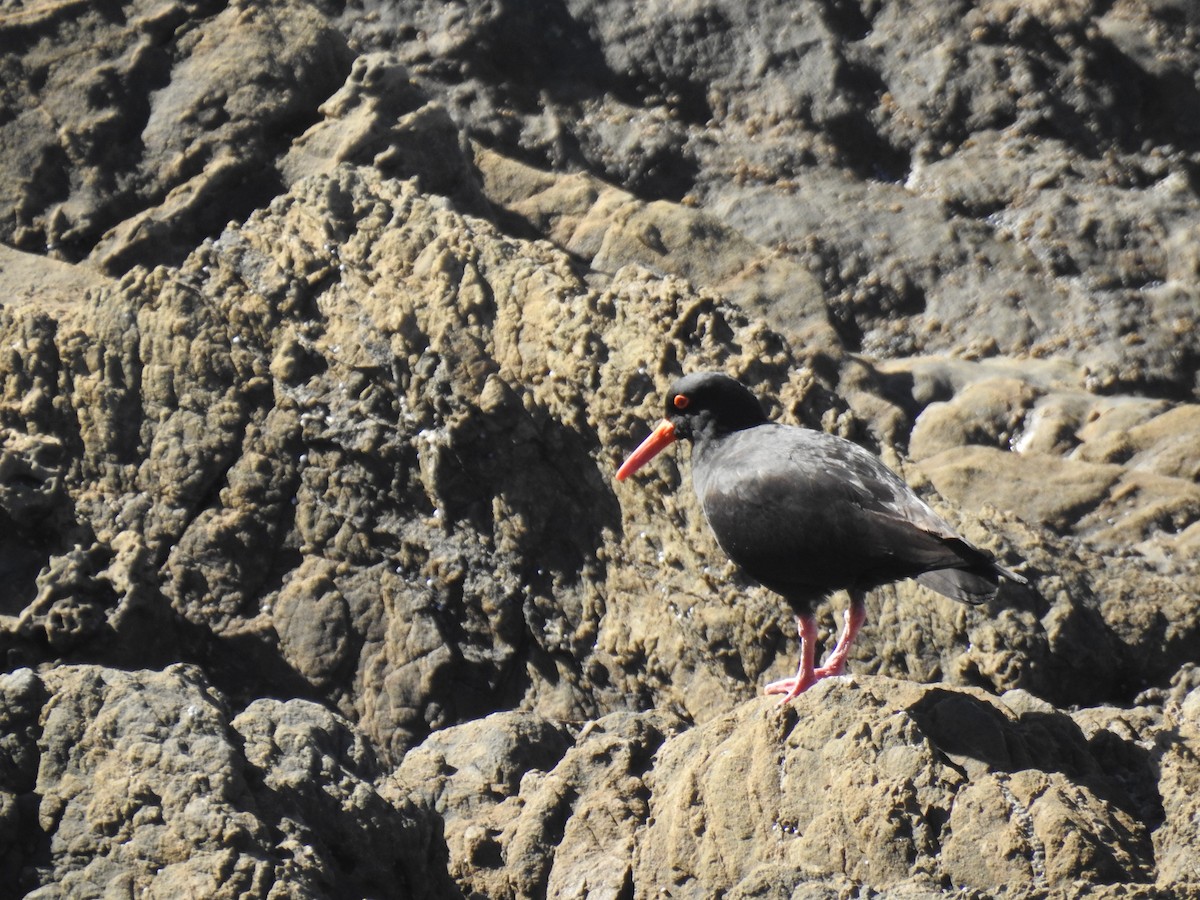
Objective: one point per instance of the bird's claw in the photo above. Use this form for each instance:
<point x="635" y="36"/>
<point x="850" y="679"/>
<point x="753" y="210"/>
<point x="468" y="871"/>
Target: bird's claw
<point x="791" y="688"/>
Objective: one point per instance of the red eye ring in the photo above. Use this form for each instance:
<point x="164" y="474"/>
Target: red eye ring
<point x="681" y="401"/>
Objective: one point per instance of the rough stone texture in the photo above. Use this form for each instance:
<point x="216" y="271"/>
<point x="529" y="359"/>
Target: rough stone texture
<point x="133" y="133"/>
<point x="531" y="810"/>
<point x="1047" y="148"/>
<point x="323" y="329"/>
<point x="142" y="783"/>
<point x="891" y="785"/>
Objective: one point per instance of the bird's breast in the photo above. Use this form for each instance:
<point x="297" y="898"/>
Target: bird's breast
<point x="779" y="521"/>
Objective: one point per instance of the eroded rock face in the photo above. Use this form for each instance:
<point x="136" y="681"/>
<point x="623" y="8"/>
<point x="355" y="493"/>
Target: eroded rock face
<point x="535" y="808"/>
<point x="402" y="439"/>
<point x="323" y="331"/>
<point x="133" y="133"/>
<point x="144" y="781"/>
<point x="917" y="790"/>
<point x="1018" y="173"/>
<point x="887" y="784"/>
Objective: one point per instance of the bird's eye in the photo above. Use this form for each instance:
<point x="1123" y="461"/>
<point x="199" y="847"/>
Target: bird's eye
<point x="681" y="401"/>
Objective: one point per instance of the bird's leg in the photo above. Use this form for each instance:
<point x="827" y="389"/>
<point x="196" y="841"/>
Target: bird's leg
<point x="856" y="615"/>
<point x="805" y="678"/>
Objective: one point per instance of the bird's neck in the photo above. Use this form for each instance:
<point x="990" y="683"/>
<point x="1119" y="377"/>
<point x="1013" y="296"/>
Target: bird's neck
<point x="710" y="429"/>
<point x="709" y="434"/>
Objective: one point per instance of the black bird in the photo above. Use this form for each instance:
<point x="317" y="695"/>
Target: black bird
<point x="807" y="513"/>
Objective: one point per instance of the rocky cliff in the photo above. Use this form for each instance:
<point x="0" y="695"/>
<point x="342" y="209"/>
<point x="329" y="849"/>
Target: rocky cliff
<point x="324" y="326"/>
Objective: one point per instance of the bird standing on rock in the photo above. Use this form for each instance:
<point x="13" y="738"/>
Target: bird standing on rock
<point x="807" y="513"/>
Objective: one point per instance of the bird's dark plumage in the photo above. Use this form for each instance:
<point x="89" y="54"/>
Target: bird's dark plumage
<point x="806" y="513"/>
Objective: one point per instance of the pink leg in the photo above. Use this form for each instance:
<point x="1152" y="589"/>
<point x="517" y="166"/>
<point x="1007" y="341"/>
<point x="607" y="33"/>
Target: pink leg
<point x="856" y="615"/>
<point x="791" y="688"/>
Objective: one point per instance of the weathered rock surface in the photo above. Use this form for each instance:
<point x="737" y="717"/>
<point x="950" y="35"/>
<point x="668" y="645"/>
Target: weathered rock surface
<point x="888" y="784"/>
<point x="143" y="783"/>
<point x="323" y="329"/>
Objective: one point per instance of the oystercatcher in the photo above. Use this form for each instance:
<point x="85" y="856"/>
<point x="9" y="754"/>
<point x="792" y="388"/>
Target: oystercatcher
<point x="807" y="513"/>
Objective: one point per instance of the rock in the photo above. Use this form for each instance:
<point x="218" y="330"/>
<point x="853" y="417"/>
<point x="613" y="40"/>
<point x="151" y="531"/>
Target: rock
<point x="72" y="602"/>
<point x="950" y="125"/>
<point x="323" y="331"/>
<point x="210" y="99"/>
<point x="1173" y="842"/>
<point x="611" y="228"/>
<point x="889" y="784"/>
<point x="22" y="696"/>
<point x="311" y="775"/>
<point x="312" y="620"/>
<point x="379" y="117"/>
<point x="532" y="808"/>
<point x="466" y="773"/>
<point x="46" y="285"/>
<point x="144" y="780"/>
<point x="477" y="428"/>
<point x="985" y="413"/>
<point x="430" y="568"/>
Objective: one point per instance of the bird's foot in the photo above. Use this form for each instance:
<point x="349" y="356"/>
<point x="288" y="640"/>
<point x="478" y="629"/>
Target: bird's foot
<point x="830" y="669"/>
<point x="791" y="688"/>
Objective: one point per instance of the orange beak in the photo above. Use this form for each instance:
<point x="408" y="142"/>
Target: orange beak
<point x="660" y="438"/>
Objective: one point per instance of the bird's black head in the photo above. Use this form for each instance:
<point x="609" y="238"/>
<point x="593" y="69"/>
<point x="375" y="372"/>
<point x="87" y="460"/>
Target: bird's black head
<point x="708" y="404"/>
<point x="700" y="407"/>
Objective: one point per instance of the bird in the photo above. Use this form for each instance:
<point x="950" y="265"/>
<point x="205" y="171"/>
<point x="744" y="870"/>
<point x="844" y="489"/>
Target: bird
<point x="806" y="513"/>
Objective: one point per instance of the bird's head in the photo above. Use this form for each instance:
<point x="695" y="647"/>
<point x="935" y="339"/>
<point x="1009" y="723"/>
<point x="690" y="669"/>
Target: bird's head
<point x="699" y="406"/>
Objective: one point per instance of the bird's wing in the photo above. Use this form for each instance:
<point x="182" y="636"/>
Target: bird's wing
<point x="799" y="508"/>
<point x="898" y="519"/>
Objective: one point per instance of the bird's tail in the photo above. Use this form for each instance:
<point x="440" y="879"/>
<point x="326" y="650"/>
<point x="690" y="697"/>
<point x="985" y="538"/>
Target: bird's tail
<point x="975" y="584"/>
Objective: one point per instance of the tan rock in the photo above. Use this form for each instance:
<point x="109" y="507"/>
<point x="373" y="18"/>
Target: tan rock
<point x="144" y="780"/>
